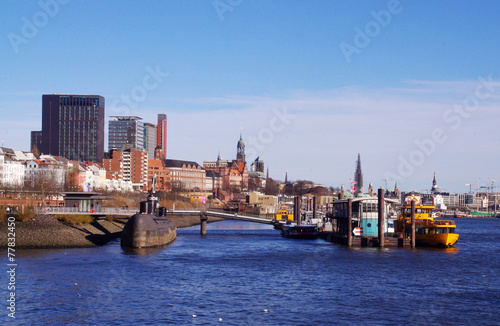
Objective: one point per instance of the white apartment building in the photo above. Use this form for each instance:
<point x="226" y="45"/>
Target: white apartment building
<point x="11" y="172"/>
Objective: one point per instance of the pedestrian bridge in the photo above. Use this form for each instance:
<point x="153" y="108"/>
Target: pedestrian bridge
<point x="228" y="216"/>
<point x="126" y="212"/>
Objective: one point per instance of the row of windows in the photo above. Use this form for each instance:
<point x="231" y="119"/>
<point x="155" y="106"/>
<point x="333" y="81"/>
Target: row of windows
<point x="79" y="100"/>
<point x="78" y="124"/>
<point x="78" y="113"/>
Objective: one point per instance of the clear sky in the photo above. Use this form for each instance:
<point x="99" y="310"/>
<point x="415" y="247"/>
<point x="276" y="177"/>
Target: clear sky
<point x="413" y="86"/>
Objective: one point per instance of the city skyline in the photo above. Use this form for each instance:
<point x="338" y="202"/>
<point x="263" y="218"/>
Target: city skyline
<point x="412" y="87"/>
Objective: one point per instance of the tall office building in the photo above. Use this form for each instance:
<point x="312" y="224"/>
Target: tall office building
<point x="72" y="127"/>
<point x="162" y="134"/>
<point x="150" y="139"/>
<point x="125" y="132"/>
<point x="36" y="140"/>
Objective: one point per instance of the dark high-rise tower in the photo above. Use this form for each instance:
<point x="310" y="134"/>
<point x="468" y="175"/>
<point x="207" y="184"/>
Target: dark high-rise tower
<point x="358" y="176"/>
<point x="73" y="127"/>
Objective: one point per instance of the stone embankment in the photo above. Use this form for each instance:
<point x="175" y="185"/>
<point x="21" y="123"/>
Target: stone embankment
<point x="45" y="231"/>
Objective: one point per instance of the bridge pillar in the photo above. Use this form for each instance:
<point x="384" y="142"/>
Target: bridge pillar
<point x="203" y="219"/>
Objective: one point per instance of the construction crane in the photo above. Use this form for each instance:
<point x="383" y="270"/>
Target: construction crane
<point x="470" y="187"/>
<point x="489" y="186"/>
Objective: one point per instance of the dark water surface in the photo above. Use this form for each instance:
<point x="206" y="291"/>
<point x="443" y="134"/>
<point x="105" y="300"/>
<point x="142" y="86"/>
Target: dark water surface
<point x="241" y="269"/>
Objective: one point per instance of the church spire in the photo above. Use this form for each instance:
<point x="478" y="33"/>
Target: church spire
<point x="240" y="156"/>
<point x="219" y="160"/>
<point x="358" y="176"/>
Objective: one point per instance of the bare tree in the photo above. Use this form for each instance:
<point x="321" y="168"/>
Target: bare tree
<point x="71" y="180"/>
<point x="302" y="186"/>
<point x="272" y="187"/>
<point x="45" y="182"/>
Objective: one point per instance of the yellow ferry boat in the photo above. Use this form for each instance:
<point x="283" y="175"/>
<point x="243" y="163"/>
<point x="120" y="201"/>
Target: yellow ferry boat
<point x="284" y="215"/>
<point x="428" y="232"/>
<point x="281" y="218"/>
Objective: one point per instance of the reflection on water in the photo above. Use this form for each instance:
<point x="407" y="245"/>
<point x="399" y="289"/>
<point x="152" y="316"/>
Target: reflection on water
<point x="150" y="252"/>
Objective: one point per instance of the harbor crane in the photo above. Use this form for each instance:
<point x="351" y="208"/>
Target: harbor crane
<point x="470" y="187"/>
<point x="489" y="187"/>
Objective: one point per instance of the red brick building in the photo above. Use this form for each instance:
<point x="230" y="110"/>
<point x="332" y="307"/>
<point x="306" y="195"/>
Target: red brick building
<point x="128" y="165"/>
<point x="234" y="173"/>
<point x="157" y="167"/>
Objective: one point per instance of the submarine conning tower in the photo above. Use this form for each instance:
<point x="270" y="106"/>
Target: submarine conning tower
<point x="149" y="228"/>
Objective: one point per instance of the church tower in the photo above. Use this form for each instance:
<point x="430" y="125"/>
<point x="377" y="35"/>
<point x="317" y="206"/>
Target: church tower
<point x="219" y="160"/>
<point x="240" y="156"/>
<point x="370" y="190"/>
<point x="358" y="176"/>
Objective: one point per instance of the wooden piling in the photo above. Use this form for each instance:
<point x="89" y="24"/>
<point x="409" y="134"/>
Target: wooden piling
<point x="412" y="236"/>
<point x="349" y="222"/>
<point x="295" y="209"/>
<point x="296" y="205"/>
<point x="314" y="207"/>
<point x="381" y="217"/>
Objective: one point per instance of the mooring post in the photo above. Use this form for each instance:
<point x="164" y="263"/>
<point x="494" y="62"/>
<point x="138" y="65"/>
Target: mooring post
<point x="297" y="209"/>
<point x="381" y="217"/>
<point x="412" y="237"/>
<point x="314" y="207"/>
<point x="203" y="219"/>
<point x="349" y="222"/>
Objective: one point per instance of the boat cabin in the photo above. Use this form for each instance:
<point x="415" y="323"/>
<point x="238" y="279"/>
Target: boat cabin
<point x="284" y="215"/>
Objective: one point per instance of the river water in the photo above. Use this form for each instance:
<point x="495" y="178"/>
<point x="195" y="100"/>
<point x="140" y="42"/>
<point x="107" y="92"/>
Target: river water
<point x="246" y="274"/>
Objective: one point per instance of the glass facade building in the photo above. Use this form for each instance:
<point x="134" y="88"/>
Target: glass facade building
<point x="125" y="132"/>
<point x="72" y="127"/>
<point x="150" y="139"/>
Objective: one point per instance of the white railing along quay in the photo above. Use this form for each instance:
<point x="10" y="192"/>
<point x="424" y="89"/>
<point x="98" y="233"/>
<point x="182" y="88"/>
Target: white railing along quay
<point x="77" y="211"/>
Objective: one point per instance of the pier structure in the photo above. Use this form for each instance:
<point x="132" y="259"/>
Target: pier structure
<point x="363" y="221"/>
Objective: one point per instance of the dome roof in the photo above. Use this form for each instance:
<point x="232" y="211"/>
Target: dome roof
<point x="241" y="143"/>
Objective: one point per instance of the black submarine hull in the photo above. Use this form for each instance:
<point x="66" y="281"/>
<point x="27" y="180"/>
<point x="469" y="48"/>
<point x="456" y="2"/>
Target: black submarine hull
<point x="146" y="230"/>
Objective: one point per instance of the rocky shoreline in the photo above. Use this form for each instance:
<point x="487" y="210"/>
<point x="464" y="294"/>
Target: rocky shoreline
<point x="45" y="231"/>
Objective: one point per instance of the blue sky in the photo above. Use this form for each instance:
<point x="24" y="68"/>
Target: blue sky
<point x="414" y="86"/>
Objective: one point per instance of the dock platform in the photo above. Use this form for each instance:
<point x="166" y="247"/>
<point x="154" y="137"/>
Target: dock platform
<point x="364" y="241"/>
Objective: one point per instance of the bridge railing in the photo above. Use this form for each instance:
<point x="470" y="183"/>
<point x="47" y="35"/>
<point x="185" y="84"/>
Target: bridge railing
<point x="236" y="216"/>
<point x="76" y="210"/>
